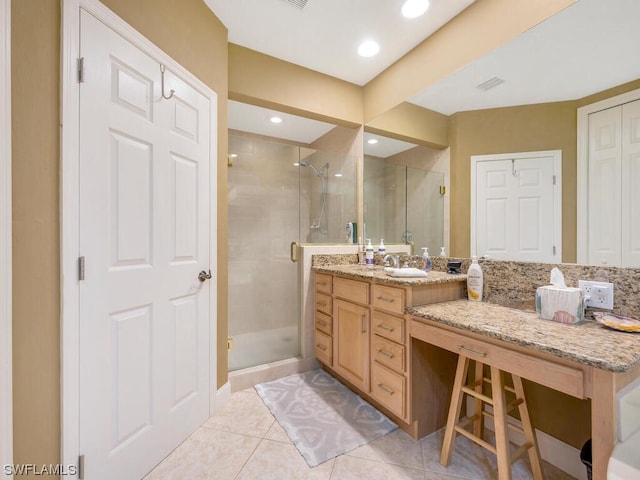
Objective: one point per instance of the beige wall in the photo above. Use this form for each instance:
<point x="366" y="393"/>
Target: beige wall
<point x="548" y="126"/>
<point x="35" y="74"/>
<point x="268" y="82"/>
<point x="191" y="34"/>
<point x="414" y="124"/>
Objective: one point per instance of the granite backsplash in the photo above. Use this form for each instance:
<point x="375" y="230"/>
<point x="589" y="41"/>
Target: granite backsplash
<point x="513" y="284"/>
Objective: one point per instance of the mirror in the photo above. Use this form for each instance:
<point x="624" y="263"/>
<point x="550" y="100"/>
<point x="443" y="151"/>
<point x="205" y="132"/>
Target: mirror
<point x="404" y="186"/>
<point x="579" y="56"/>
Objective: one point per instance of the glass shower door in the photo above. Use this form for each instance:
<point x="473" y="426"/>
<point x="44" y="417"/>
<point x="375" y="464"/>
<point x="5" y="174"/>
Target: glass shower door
<point x="264" y="212"/>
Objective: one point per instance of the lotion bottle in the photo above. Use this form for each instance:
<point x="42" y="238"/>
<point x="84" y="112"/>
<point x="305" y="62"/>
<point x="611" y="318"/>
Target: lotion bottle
<point x="382" y="249"/>
<point x="426" y="260"/>
<point x="474" y="281"/>
<point x="369" y="254"/>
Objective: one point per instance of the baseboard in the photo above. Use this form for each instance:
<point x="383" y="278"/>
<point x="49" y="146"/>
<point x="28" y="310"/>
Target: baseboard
<point x="248" y="377"/>
<point x="552" y="450"/>
<point x="222" y="396"/>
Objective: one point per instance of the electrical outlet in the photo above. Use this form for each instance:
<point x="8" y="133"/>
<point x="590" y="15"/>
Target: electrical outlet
<point x="597" y="294"/>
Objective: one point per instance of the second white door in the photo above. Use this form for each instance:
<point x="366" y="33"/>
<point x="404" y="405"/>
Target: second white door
<point x="516" y="206"/>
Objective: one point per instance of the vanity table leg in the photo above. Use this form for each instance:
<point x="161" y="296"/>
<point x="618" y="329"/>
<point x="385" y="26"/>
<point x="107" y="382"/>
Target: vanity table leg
<point x="478" y="424"/>
<point x="500" y="424"/>
<point x="603" y="421"/>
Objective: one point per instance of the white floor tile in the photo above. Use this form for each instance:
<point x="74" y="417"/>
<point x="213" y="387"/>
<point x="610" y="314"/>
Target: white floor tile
<point x="274" y="460"/>
<point x="244" y="413"/>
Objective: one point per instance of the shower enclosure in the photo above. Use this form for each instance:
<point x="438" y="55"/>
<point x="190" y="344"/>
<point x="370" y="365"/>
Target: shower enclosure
<point x="404" y="204"/>
<point x="278" y="194"/>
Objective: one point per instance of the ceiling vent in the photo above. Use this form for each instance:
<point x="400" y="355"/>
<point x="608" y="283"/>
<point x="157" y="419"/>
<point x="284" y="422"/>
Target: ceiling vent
<point x="297" y="3"/>
<point x="491" y="83"/>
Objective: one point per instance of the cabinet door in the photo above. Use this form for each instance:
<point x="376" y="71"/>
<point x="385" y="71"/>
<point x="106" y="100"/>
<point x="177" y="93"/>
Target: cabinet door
<point x="351" y="347"/>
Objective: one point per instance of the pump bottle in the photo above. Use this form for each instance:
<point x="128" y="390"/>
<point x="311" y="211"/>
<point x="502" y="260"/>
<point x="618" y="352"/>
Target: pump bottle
<point x="426" y="260"/>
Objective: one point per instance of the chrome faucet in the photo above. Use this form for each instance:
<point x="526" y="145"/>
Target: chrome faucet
<point x="395" y="260"/>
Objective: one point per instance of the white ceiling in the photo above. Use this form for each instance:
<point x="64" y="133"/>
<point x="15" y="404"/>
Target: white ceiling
<point x="325" y="34"/>
<point x="589" y="47"/>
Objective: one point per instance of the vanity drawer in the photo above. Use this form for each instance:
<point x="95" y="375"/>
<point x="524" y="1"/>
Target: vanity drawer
<point x="389" y="327"/>
<point x="323" y="303"/>
<point x="388" y="298"/>
<point x="388" y="353"/>
<point x="352" y="290"/>
<point x="323" y="283"/>
<point x="553" y="375"/>
<point x="324" y="347"/>
<point x="324" y="323"/>
<point x="389" y="389"/>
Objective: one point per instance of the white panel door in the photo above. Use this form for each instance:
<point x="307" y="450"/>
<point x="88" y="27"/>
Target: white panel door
<point x="604" y="214"/>
<point x="630" y="191"/>
<point x="144" y="232"/>
<point x="516" y="208"/>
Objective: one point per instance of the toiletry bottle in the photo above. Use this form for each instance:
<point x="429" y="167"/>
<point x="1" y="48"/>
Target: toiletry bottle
<point x="474" y="281"/>
<point x="426" y="260"/>
<point x="382" y="249"/>
<point x="349" y="232"/>
<point x="442" y="252"/>
<point x="369" y="254"/>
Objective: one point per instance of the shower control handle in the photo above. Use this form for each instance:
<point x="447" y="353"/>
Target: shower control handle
<point x="294" y="251"/>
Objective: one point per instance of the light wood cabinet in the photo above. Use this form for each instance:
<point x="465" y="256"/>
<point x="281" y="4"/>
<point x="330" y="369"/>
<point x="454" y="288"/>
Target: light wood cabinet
<point x="323" y="332"/>
<point x="351" y="342"/>
<point x="371" y="349"/>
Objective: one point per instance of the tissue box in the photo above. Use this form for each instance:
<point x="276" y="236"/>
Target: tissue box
<point x="564" y="305"/>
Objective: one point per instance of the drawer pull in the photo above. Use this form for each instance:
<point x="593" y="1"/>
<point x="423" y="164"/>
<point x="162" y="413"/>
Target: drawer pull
<point x="474" y="352"/>
<point x="386" y="354"/>
<point x="321" y="322"/>
<point x="386" y="328"/>
<point x="385" y="299"/>
<point x="321" y="347"/>
<point x="363" y="323"/>
<point x="321" y="304"/>
<point x="324" y="284"/>
<point x="386" y="389"/>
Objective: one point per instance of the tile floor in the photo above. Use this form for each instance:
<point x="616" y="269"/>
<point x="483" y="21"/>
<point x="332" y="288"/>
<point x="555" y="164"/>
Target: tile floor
<point x="244" y="442"/>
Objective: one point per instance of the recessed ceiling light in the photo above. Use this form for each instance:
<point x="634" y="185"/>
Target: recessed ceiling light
<point x="275" y="119"/>
<point x="372" y="141"/>
<point x="414" y="8"/>
<point x="368" y="48"/>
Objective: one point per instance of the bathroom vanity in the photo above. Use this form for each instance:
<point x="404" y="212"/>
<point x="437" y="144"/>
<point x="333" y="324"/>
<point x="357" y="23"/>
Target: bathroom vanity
<point x="362" y="337"/>
<point x="396" y="341"/>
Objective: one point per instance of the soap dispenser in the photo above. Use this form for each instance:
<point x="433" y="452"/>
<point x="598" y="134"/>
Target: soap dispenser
<point x="369" y="254"/>
<point x="381" y="248"/>
<point x="426" y="260"/>
<point x="442" y="252"/>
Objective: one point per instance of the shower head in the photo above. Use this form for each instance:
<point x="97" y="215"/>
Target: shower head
<point x="323" y="171"/>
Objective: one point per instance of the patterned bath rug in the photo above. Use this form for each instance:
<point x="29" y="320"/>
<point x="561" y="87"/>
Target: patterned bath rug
<point x="321" y="416"/>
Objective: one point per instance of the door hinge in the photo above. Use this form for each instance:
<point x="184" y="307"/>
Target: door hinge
<point x="80" y="69"/>
<point x="554" y="249"/>
<point x="443" y="190"/>
<point x="81" y="467"/>
<point x="80" y="268"/>
<point x="229" y="344"/>
<point x="554" y="179"/>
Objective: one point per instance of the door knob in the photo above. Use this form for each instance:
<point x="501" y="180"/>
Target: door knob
<point x="203" y="276"/>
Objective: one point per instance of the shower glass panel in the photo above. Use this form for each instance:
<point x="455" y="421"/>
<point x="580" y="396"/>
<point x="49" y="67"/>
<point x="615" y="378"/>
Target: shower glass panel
<point x="263" y="282"/>
<point x="278" y="193"/>
<point x="403" y="204"/>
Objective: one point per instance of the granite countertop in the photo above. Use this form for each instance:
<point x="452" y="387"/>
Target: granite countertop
<point x="376" y="273"/>
<point x="588" y="343"/>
